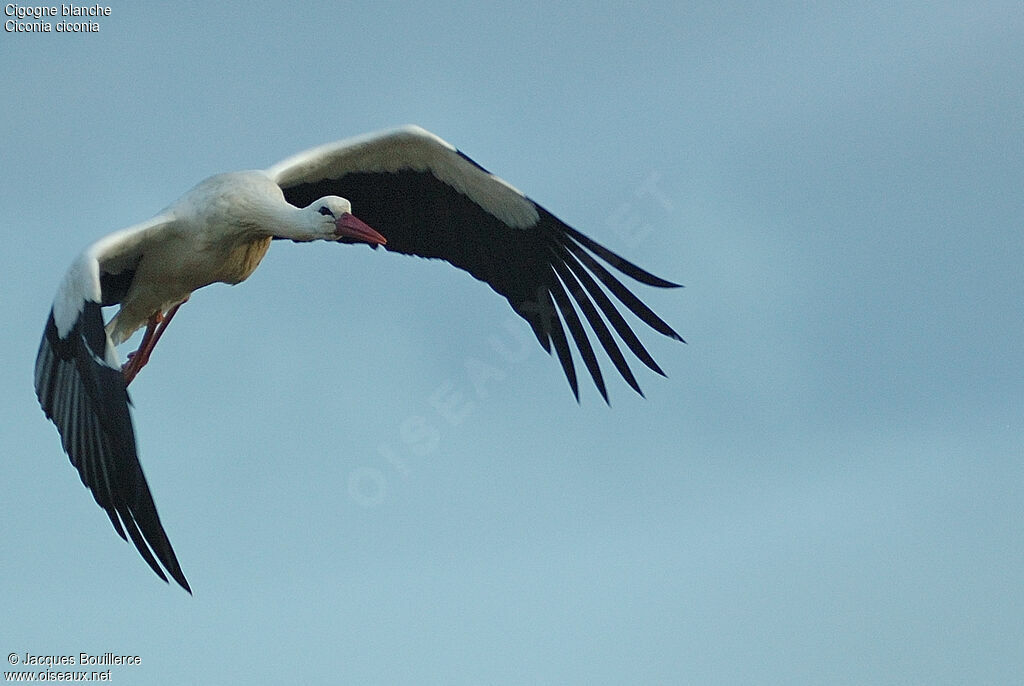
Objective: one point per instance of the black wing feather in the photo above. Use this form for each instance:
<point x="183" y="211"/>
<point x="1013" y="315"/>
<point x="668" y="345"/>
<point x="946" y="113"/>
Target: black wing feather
<point x="615" y="317"/>
<point x="88" y="401"/>
<point x="531" y="267"/>
<point x="579" y="334"/>
<point x="579" y="294"/>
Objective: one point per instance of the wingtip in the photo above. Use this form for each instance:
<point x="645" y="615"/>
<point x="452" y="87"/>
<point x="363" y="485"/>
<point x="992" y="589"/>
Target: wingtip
<point x="179" y="579"/>
<point x="174" y="569"/>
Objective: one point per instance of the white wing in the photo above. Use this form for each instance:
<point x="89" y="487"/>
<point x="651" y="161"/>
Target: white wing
<point x="431" y="200"/>
<point x="80" y="386"/>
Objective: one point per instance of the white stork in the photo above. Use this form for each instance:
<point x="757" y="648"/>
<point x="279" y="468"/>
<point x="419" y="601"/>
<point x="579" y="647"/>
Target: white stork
<point x="427" y="199"/>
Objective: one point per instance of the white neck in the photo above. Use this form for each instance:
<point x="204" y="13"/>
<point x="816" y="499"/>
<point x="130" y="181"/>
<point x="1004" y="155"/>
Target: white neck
<point x="300" y="224"/>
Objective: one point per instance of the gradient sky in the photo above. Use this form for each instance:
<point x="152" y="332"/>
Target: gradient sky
<point x="827" y="487"/>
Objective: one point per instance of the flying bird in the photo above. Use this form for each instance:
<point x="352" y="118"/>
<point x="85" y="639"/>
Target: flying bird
<point x="413" y="193"/>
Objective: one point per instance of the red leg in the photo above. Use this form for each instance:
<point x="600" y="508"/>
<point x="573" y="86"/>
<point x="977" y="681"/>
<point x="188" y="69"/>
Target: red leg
<point x="155" y="328"/>
<point x="136" y="359"/>
<point x="163" y="326"/>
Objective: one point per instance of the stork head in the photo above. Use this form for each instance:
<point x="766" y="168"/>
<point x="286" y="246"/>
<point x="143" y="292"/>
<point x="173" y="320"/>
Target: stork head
<point x="334" y="220"/>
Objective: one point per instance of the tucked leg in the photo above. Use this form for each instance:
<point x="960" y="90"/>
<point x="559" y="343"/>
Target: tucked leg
<point x="155" y="328"/>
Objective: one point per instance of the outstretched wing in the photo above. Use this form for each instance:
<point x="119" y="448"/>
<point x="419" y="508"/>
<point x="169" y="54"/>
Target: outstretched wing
<point x="431" y="200"/>
<point x="80" y="387"/>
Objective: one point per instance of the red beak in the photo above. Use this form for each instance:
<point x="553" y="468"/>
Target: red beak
<point x="348" y="226"/>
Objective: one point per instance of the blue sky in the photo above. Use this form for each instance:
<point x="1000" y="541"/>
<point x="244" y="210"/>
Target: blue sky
<point x="826" y="489"/>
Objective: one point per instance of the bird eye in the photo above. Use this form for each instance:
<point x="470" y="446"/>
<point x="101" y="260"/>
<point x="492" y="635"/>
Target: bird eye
<point x="326" y="210"/>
